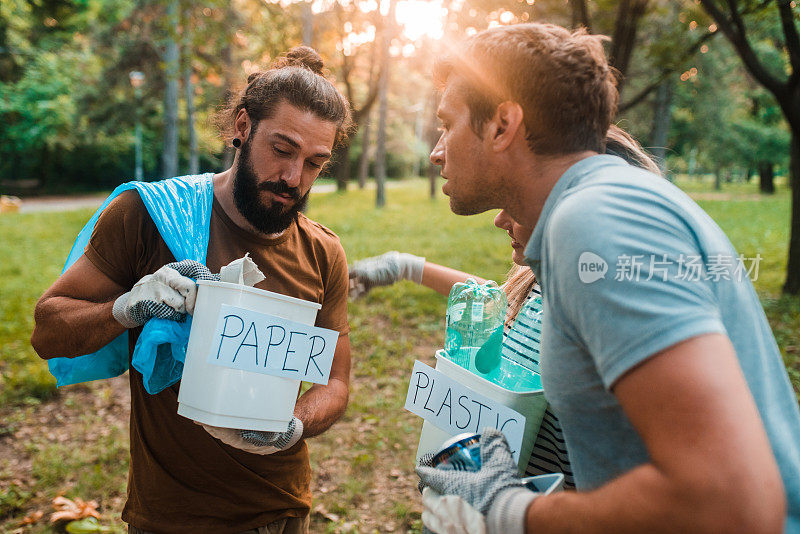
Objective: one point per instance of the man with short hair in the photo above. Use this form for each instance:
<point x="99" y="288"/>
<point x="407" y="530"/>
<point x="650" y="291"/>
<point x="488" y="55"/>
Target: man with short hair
<point x="186" y="478"/>
<point x="675" y="404"/>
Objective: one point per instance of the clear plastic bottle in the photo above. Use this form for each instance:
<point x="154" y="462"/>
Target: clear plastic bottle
<point x="474" y="313"/>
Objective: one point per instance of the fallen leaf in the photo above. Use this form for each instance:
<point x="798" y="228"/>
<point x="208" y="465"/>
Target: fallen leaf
<point x="71" y="510"/>
<point x="31" y="518"/>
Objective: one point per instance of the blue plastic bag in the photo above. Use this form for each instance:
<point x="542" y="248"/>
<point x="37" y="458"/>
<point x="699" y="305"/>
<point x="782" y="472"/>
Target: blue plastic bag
<point x="181" y="210"/>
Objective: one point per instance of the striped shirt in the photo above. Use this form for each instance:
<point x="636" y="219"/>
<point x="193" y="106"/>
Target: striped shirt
<point x="521" y="344"/>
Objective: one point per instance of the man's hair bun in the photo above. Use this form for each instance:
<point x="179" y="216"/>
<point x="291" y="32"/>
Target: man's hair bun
<point x="301" y="56"/>
<point x="296" y="77"/>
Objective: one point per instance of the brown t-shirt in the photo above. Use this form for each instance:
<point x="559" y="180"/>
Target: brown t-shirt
<point x="181" y="479"/>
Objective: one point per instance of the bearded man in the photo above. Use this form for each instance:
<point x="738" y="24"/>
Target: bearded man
<point x="184" y="477"/>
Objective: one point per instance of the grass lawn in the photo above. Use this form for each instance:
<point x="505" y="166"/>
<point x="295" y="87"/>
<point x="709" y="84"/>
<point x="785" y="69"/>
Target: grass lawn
<point x="74" y="441"/>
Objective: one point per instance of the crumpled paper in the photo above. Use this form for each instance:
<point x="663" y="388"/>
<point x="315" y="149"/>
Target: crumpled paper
<point x="243" y="271"/>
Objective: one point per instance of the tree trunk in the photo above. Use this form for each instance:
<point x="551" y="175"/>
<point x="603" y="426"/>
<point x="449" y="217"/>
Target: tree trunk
<point x="363" y="159"/>
<point x="718" y="180"/>
<point x="172" y="65"/>
<point x="380" y="151"/>
<point x="792" y="285"/>
<point x="692" y="165"/>
<point x="308" y="24"/>
<point x="228" y="73"/>
<point x="767" y="174"/>
<point x="580" y="15"/>
<point x="194" y="154"/>
<point x="629" y="14"/>
<point x="419" y="123"/>
<point x="432" y="135"/>
<point x="383" y="105"/>
<point x="433" y="177"/>
<point x="342" y="169"/>
<point x="44" y="167"/>
<point x="661" y="121"/>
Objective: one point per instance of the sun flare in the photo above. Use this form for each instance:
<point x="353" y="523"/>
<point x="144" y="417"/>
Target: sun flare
<point x="421" y="18"/>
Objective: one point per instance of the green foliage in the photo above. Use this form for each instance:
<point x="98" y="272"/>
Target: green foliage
<point x="46" y="120"/>
<point x="70" y="112"/>
<point x="12" y="500"/>
<point x="748" y="125"/>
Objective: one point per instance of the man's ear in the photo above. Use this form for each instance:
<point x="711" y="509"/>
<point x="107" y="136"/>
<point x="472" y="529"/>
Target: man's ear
<point x="242" y="125"/>
<point x="505" y="125"/>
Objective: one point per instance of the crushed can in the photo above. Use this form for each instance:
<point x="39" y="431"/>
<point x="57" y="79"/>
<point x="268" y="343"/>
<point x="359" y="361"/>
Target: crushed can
<point x="459" y="453"/>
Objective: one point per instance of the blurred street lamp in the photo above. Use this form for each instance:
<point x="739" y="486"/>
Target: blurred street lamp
<point x="137" y="80"/>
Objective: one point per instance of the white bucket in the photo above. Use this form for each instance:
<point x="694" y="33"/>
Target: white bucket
<point x="232" y="398"/>
<point x="531" y="404"/>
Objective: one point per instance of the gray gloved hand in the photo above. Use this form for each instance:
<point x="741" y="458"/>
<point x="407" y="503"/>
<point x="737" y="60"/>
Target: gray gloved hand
<point x="259" y="441"/>
<point x="168" y="293"/>
<point x="427" y="461"/>
<point x="496" y="490"/>
<point x="384" y="270"/>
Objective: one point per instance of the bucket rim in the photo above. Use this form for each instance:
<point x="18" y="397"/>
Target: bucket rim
<point x="260" y="292"/>
<point x="530" y="392"/>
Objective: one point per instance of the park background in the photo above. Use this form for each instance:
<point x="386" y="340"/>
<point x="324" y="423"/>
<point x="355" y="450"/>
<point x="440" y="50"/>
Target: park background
<point x="97" y="92"/>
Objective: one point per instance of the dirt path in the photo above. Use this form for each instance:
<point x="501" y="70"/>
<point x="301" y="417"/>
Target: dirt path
<point x="69" y="203"/>
<point x="61" y="203"/>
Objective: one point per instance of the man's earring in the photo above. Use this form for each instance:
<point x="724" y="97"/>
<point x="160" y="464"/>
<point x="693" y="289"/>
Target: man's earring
<point x="236" y="142"/>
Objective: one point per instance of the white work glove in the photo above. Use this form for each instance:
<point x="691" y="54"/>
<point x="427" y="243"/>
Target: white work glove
<point x="168" y="293"/>
<point x="495" y="491"/>
<point x="258" y="441"/>
<point x="450" y="514"/>
<point x="384" y="270"/>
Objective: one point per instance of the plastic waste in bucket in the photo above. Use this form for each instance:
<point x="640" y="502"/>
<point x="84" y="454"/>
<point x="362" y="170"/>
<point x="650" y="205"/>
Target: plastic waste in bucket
<point x="232" y="398"/>
<point x="529" y="403"/>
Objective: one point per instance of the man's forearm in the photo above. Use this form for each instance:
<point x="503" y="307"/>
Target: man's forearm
<point x="67" y="327"/>
<point x="321" y="406"/>
<point x="645" y="500"/>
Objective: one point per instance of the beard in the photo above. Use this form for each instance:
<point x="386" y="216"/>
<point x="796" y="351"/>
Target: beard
<point x="269" y="218"/>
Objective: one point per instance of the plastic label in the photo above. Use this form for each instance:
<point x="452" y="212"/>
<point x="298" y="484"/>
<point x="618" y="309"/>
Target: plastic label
<point x="455" y="408"/>
<point x="477" y="312"/>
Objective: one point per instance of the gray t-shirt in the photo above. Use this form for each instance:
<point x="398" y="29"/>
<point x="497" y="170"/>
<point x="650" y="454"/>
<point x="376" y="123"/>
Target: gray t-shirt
<point x="629" y="265"/>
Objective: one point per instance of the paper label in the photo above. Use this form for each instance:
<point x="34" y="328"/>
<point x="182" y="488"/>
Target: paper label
<point x="455" y="408"/>
<point x="270" y="345"/>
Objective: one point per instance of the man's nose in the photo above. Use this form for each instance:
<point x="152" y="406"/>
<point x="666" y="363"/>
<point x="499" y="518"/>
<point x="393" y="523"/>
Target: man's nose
<point x="437" y="154"/>
<point x="292" y="173"/>
<point x="501" y="220"/>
